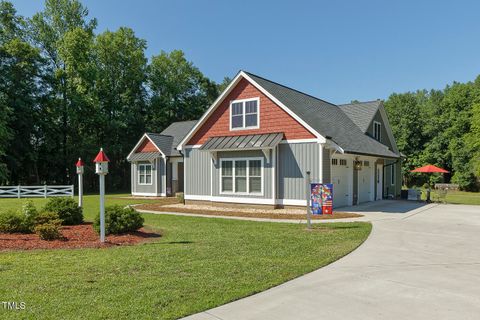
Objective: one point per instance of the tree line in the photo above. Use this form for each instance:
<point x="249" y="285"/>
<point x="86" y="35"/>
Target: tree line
<point x="65" y="91"/>
<point x="440" y="127"/>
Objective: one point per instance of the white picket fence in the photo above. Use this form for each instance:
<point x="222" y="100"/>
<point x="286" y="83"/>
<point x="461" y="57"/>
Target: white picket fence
<point x="36" y="191"/>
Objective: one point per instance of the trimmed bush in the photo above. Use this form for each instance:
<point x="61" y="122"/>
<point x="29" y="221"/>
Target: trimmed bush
<point x="67" y="209"/>
<point x="47" y="217"/>
<point x="29" y="210"/>
<point x="15" y="222"/>
<point x="119" y="220"/>
<point x="49" y="230"/>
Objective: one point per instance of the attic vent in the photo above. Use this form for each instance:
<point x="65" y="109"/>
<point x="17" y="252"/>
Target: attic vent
<point x="343" y="162"/>
<point x="334" y="162"/>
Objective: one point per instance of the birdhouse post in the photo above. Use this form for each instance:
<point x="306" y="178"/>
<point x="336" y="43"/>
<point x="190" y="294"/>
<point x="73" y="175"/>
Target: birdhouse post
<point x="101" y="168"/>
<point x="80" y="169"/>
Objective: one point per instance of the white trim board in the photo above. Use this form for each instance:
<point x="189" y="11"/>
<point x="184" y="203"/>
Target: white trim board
<point x="140" y="142"/>
<point x="224" y="94"/>
<point x="287" y="202"/>
<point x="148" y="194"/>
<point x="388" y="128"/>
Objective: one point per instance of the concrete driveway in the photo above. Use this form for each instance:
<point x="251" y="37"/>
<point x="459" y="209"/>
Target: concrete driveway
<point x="417" y="264"/>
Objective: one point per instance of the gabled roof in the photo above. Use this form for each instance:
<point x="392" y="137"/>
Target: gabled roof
<point x="326" y="118"/>
<point x="361" y="113"/>
<point x="165" y="142"/>
<point x="178" y="130"/>
<point x="161" y="141"/>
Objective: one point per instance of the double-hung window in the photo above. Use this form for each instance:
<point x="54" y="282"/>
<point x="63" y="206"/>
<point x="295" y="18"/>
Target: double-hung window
<point x="241" y="175"/>
<point x="244" y="114"/>
<point x="377" y="130"/>
<point x="145" y="174"/>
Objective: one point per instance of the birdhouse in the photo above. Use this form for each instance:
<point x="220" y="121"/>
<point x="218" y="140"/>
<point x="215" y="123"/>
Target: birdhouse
<point x="101" y="163"/>
<point x="80" y="166"/>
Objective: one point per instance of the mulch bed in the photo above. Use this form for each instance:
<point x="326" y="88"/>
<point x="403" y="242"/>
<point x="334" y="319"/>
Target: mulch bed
<point x="79" y="236"/>
<point x="246" y="214"/>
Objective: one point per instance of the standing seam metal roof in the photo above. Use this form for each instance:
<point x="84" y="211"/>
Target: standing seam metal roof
<point x="251" y="141"/>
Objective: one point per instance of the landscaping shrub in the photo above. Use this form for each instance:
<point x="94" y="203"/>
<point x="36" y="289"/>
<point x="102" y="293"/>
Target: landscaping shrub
<point x="29" y="213"/>
<point x="49" y="230"/>
<point x="29" y="210"/>
<point x="15" y="222"/>
<point x="47" y="217"/>
<point x="119" y="220"/>
<point x="67" y="209"/>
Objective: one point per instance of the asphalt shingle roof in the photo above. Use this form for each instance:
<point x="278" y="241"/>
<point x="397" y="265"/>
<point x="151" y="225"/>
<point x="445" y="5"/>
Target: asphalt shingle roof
<point x="326" y="118"/>
<point x="166" y="141"/>
<point x="163" y="142"/>
<point x="361" y="113"/>
<point x="178" y="131"/>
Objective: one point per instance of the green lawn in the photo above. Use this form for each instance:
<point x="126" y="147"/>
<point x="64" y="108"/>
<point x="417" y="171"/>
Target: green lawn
<point x="199" y="263"/>
<point x="458" y="197"/>
<point x="461" y="197"/>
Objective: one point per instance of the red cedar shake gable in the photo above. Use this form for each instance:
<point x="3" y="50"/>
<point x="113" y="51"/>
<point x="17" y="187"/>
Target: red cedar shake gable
<point x="146" y="146"/>
<point x="272" y="118"/>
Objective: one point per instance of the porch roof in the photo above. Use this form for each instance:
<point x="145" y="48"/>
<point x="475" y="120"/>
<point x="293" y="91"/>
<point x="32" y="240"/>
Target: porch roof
<point x="144" y="156"/>
<point x="245" y="142"/>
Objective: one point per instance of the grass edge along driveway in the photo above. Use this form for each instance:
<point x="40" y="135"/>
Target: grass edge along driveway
<point x="198" y="264"/>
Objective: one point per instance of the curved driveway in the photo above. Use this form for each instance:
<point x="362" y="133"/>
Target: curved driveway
<point x="417" y="264"/>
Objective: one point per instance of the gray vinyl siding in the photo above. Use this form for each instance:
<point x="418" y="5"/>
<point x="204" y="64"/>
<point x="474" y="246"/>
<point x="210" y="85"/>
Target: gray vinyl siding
<point x="267" y="172"/>
<point x="138" y="188"/>
<point x="197" y="172"/>
<point x="326" y="163"/>
<point x="160" y="176"/>
<point x="397" y="186"/>
<point x="143" y="188"/>
<point x="383" y="134"/>
<point x="293" y="162"/>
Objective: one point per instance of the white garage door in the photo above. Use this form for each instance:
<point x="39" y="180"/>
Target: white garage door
<point x="340" y="183"/>
<point x="365" y="178"/>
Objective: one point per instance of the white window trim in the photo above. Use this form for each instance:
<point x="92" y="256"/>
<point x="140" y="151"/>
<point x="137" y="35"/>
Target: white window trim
<point x="392" y="175"/>
<point x="243" y="102"/>
<point x="151" y="174"/>
<point x="262" y="176"/>
<point x="375" y="123"/>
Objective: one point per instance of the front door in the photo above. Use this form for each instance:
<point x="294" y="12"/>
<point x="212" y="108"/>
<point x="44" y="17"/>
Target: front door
<point x="379" y="182"/>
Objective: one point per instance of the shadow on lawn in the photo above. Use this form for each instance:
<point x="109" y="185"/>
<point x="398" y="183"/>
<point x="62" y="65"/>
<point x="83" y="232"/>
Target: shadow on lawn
<point x="169" y="242"/>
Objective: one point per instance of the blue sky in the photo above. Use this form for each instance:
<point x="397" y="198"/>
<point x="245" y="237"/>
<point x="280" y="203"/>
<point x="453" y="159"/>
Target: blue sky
<point x="335" y="50"/>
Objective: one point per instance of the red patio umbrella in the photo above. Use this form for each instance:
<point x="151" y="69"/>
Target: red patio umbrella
<point x="430" y="168"/>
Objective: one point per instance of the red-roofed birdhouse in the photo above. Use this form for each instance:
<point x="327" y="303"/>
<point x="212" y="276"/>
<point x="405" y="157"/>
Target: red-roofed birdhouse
<point x="101" y="163"/>
<point x="80" y="166"/>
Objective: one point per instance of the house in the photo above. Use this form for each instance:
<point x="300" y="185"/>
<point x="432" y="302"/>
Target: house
<point x="156" y="164"/>
<point x="256" y="142"/>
